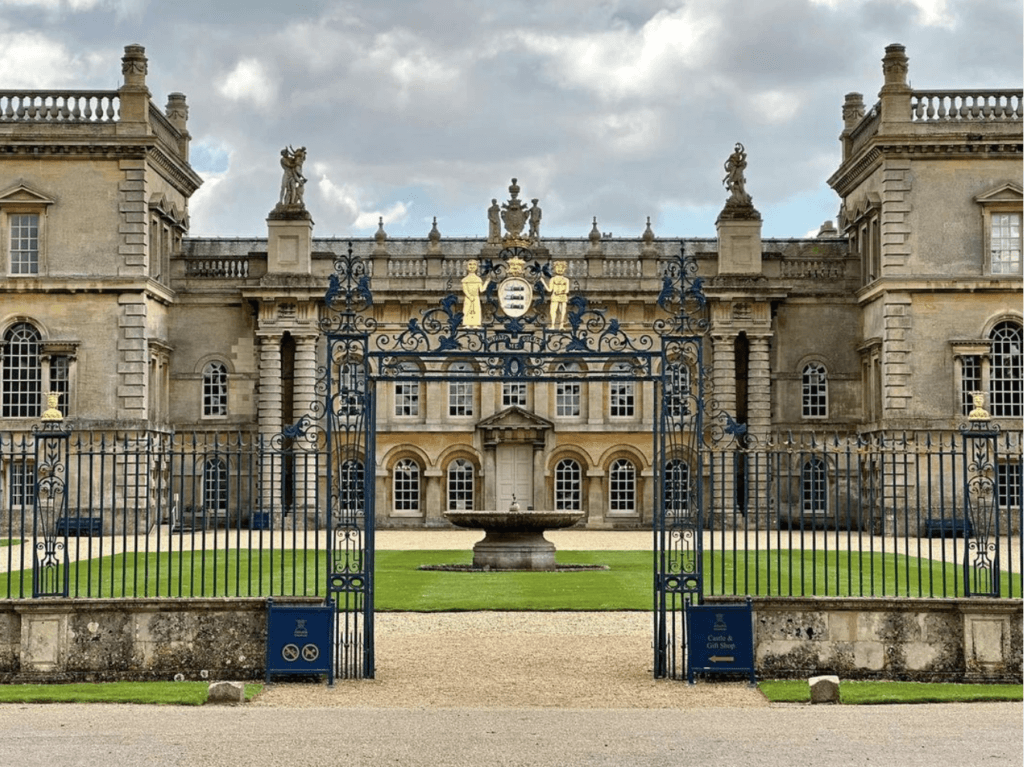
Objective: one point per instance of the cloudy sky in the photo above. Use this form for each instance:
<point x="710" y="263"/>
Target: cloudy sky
<point x="411" y="109"/>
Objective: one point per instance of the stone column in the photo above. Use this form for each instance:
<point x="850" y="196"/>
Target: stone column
<point x="759" y="420"/>
<point x="490" y="478"/>
<point x="304" y="391"/>
<point x="269" y="415"/>
<point x="596" y="498"/>
<point x="723" y="398"/>
<point x="433" y="498"/>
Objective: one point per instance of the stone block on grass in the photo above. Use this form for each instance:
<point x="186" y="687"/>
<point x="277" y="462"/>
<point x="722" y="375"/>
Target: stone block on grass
<point x="824" y="689"/>
<point x="226" y="692"/>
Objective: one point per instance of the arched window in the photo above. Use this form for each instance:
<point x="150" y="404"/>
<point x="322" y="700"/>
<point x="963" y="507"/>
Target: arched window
<point x="22" y="373"/>
<point x="815" y="391"/>
<point x="621" y="392"/>
<point x="677" y="487"/>
<point x="813" y="491"/>
<point x="568" y="485"/>
<point x="215" y="485"/>
<point x="407" y="487"/>
<point x="350" y="493"/>
<point x="1006" y="371"/>
<point x="622" y="487"/>
<point x="460" y="391"/>
<point x="460" y="484"/>
<point x="215" y="390"/>
<point x="568" y="392"/>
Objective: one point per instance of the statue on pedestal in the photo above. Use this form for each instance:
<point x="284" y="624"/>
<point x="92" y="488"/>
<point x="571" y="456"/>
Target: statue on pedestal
<point x="293" y="183"/>
<point x="734" y="180"/>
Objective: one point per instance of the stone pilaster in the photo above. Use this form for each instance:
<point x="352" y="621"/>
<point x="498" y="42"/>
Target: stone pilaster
<point x="896" y="355"/>
<point x="132" y="358"/>
<point x="597" y="506"/>
<point x="896" y="208"/>
<point x="132" y="230"/>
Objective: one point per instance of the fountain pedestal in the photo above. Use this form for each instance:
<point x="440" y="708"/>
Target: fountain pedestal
<point x="514" y="540"/>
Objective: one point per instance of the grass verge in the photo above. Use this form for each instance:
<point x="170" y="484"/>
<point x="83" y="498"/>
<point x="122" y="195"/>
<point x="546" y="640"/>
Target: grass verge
<point x="231" y="572"/>
<point x="866" y="693"/>
<point x="149" y="693"/>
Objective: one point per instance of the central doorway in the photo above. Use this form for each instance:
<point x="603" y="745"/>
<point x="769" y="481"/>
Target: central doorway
<point x="515" y="475"/>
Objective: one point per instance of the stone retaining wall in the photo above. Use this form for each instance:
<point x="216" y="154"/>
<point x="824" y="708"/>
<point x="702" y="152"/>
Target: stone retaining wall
<point x="960" y="640"/>
<point x="58" y="640"/>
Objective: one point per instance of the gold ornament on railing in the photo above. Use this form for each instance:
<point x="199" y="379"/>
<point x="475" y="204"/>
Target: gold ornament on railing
<point x="52" y="412"/>
<point x="979" y="413"/>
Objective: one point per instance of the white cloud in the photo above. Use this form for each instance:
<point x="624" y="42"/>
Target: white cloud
<point x="249" y="81"/>
<point x="346" y="199"/>
<point x="930" y="13"/>
<point x="32" y="60"/>
<point x="622" y="62"/>
<point x="775" y="106"/>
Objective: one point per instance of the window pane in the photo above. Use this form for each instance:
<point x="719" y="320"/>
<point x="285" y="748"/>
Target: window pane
<point x="513" y="394"/>
<point x="1005" y="241"/>
<point x="812" y="487"/>
<point x="24" y="243"/>
<point x="622" y="488"/>
<point x="815" y="391"/>
<point x="567" y="393"/>
<point x="1010" y="489"/>
<point x="23" y="483"/>
<point x="568" y="492"/>
<point x="407" y="485"/>
<point x="460" y="484"/>
<point x="621" y="400"/>
<point x="215" y="485"/>
<point x="22" y="373"/>
<point x="215" y="389"/>
<point x="407" y="394"/>
<point x="1006" y="371"/>
<point x="460" y="393"/>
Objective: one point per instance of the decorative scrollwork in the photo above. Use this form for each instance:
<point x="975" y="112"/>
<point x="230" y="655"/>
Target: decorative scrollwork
<point x="348" y="296"/>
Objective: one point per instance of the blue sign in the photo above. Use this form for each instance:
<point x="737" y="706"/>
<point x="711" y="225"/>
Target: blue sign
<point x="720" y="639"/>
<point x="299" y="639"/>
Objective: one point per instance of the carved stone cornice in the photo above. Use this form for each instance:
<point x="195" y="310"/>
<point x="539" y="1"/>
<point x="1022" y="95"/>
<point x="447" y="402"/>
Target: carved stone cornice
<point x="853" y="172"/>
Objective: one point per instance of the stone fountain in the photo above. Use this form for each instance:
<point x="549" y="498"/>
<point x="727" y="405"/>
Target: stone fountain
<point x="514" y="539"/>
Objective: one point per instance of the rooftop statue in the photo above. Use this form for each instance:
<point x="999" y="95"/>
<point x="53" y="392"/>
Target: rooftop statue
<point x="734" y="180"/>
<point x="293" y="183"/>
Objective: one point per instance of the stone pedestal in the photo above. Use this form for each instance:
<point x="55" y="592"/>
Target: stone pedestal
<point x="514" y="551"/>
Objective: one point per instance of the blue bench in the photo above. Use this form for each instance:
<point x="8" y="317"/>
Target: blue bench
<point x="948" y="528"/>
<point x="76" y="526"/>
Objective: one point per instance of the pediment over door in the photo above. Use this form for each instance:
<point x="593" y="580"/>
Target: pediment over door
<point x="514" y="425"/>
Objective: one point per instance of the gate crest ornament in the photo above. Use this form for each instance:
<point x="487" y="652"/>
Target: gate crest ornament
<point x="515" y="215"/>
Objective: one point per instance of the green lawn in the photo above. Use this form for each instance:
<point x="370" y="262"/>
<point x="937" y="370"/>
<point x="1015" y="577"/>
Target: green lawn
<point x="628" y="585"/>
<point x="152" y="693"/>
<point x="854" y="693"/>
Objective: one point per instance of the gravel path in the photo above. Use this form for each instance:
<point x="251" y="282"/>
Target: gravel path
<point x="513" y="660"/>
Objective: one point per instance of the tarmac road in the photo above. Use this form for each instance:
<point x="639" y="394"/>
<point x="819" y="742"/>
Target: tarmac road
<point x="773" y="736"/>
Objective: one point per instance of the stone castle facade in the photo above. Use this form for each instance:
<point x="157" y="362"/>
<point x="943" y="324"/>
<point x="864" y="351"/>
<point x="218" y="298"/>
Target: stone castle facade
<point x="889" y="322"/>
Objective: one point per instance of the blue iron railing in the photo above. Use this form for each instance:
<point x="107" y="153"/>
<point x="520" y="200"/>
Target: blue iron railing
<point x="153" y="515"/>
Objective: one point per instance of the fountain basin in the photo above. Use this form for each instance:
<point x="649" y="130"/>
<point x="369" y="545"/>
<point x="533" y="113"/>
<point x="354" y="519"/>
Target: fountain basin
<point x="514" y="540"/>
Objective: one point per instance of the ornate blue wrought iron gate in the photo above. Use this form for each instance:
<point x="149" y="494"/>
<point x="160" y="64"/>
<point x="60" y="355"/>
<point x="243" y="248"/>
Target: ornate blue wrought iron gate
<point x="516" y="320"/>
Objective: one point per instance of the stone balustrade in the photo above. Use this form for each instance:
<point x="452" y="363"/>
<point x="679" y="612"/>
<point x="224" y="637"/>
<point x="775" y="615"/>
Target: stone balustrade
<point x="407" y="267"/>
<point x="630" y="268"/>
<point x="59" y="106"/>
<point x="231" y="268"/>
<point x="964" y="106"/>
<point x="820" y="269"/>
